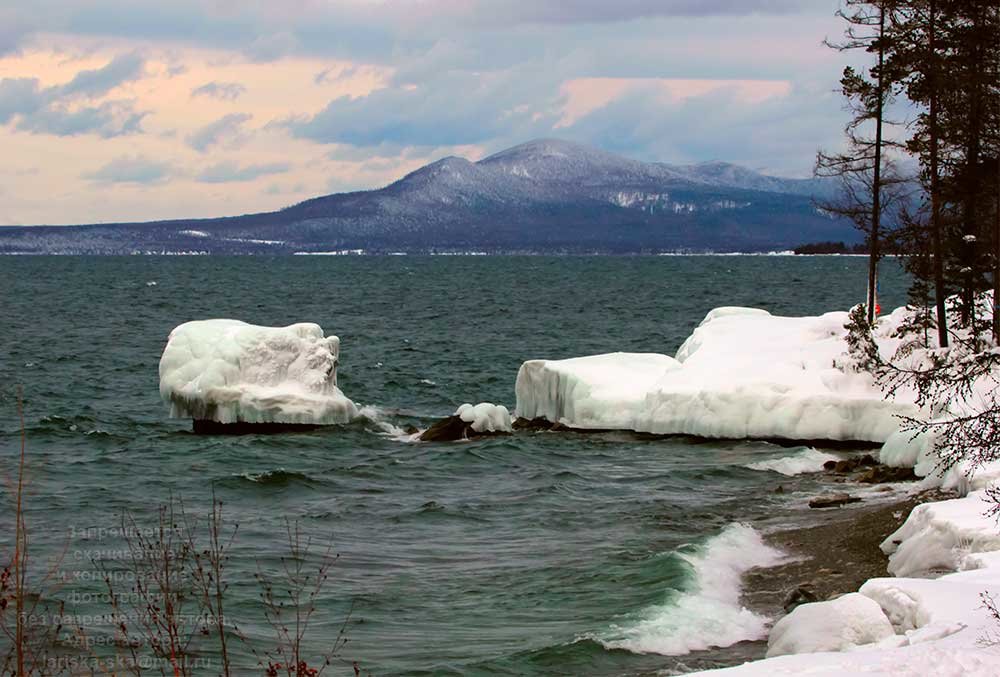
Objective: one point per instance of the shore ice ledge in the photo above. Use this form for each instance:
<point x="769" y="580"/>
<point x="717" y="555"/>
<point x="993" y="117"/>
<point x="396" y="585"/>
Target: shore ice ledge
<point x="743" y="373"/>
<point x="229" y="371"/>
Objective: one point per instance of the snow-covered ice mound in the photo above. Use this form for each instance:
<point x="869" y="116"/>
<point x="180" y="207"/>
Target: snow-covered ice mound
<point x="942" y="536"/>
<point x="470" y="421"/>
<point x="486" y="417"/>
<point x="601" y="391"/>
<point x="743" y="373"/>
<point x="843" y="623"/>
<point x="229" y="371"/>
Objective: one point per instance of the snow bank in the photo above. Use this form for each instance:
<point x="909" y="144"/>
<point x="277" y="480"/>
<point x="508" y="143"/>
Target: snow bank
<point x="937" y="625"/>
<point x="230" y="371"/>
<point x="940" y="536"/>
<point x="486" y="417"/>
<point x="742" y="373"/>
<point x="806" y="461"/>
<point x="843" y="623"/>
<point x="709" y="614"/>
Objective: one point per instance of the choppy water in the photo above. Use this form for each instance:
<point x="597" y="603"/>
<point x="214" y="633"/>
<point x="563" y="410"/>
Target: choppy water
<point x="534" y="554"/>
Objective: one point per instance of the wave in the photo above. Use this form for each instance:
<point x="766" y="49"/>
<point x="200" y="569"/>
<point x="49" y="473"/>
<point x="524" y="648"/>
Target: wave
<point x="275" y="478"/>
<point x="809" y="460"/>
<point x="708" y="615"/>
<point x="377" y="416"/>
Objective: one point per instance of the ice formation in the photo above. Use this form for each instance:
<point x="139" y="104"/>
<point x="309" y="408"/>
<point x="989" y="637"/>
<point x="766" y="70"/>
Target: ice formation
<point x="229" y="371"/>
<point x="742" y="373"/>
<point x="842" y="623"/>
<point x="602" y="391"/>
<point x="486" y="417"/>
<point x="941" y="536"/>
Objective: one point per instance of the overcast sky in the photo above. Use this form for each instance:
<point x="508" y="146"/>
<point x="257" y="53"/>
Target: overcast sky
<point x="138" y="110"/>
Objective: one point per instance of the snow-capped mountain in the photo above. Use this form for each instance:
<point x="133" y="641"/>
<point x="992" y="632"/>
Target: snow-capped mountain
<point x="542" y="196"/>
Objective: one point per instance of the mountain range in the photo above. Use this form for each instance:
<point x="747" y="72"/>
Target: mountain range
<point x="544" y="196"/>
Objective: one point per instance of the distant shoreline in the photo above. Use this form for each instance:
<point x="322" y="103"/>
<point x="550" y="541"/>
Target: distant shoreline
<point x="360" y="253"/>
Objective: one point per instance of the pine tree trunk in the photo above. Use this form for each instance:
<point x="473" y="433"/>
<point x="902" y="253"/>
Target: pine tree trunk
<point x="939" y="295"/>
<point x="873" y="239"/>
<point x="996" y="261"/>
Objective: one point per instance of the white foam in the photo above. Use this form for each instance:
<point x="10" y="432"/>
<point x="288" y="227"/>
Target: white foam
<point x="806" y="461"/>
<point x="710" y="614"/>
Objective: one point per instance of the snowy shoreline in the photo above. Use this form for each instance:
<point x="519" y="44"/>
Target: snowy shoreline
<point x="744" y="373"/>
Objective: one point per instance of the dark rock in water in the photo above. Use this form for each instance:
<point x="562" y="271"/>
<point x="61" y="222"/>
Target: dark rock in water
<point x="446" y="430"/>
<point x="206" y="427"/>
<point x="849" y="465"/>
<point x="871" y="471"/>
<point x="832" y="500"/>
<point x="452" y="429"/>
<point x="539" y="423"/>
<point x="559" y="427"/>
<point x="411" y="430"/>
<point x="805" y="593"/>
<point x="780" y="489"/>
<point x="884" y="473"/>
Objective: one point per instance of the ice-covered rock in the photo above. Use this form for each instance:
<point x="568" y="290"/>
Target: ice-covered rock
<point x="848" y="621"/>
<point x="940" y="536"/>
<point x="227" y="371"/>
<point x="470" y="421"/>
<point x="743" y="373"/>
<point x="486" y="417"/>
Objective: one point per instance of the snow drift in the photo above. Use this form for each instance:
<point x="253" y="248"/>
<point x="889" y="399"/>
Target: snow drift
<point x="842" y="623"/>
<point x="743" y="373"/>
<point x="229" y="371"/>
<point x="942" y="536"/>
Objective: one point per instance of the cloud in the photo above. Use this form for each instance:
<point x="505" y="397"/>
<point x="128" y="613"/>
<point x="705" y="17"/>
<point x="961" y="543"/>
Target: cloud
<point x="46" y="110"/>
<point x="14" y="27"/>
<point x="455" y="108"/>
<point x="602" y="11"/>
<point x="229" y="172"/>
<point x="779" y="134"/>
<point x="20" y="96"/>
<point x="330" y="75"/>
<point x="136" y="169"/>
<point x="108" y="120"/>
<point x="226" y="91"/>
<point x="227" y="129"/>
<point x="98" y="82"/>
<point x="271" y="46"/>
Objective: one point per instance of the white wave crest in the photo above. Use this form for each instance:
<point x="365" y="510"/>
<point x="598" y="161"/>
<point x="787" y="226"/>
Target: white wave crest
<point x="377" y="416"/>
<point x="809" y="460"/>
<point x="709" y="614"/>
